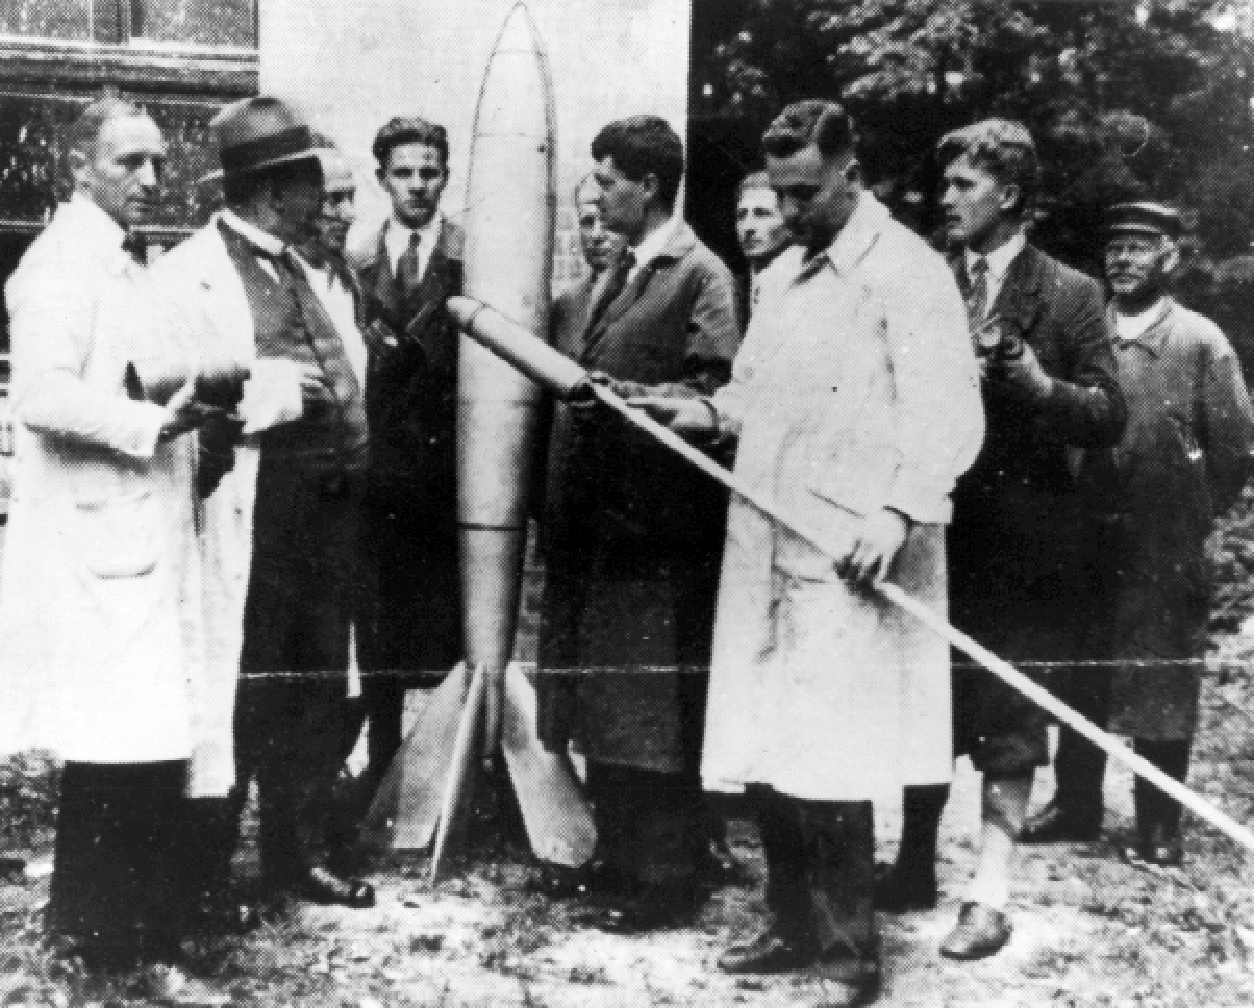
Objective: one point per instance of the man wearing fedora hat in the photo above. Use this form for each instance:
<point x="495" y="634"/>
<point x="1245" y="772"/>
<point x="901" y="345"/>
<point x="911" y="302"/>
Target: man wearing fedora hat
<point x="280" y="527"/>
<point x="1181" y="462"/>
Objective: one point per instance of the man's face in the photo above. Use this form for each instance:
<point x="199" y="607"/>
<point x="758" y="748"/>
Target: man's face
<point x="1139" y="266"/>
<point x="624" y="203"/>
<point x="297" y="205"/>
<point x="122" y="175"/>
<point x="760" y="228"/>
<point x="338" y="210"/>
<point x="597" y="243"/>
<point x="415" y="176"/>
<point x="973" y="202"/>
<point x="816" y="195"/>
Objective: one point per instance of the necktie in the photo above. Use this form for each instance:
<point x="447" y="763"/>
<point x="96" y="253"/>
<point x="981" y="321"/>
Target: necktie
<point x="977" y="292"/>
<point x="409" y="266"/>
<point x="613" y="288"/>
<point x="135" y="244"/>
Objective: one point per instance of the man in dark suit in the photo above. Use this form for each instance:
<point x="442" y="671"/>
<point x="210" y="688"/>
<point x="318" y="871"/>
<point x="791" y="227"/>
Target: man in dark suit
<point x="409" y="628"/>
<point x="1023" y="548"/>
<point x="630" y="590"/>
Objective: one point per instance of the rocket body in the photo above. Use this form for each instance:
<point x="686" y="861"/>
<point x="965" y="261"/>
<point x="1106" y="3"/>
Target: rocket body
<point x="507" y="262"/>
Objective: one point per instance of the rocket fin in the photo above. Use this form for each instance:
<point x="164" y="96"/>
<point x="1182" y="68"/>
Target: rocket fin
<point x="458" y="784"/>
<point x="410" y="791"/>
<point x="559" y="824"/>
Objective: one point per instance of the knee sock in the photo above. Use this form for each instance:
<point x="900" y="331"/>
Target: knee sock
<point x="1004" y="808"/>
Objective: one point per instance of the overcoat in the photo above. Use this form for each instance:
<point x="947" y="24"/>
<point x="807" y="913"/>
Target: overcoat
<point x="1182" y="461"/>
<point x="100" y="608"/>
<point x="633" y="533"/>
<point x="412" y="620"/>
<point x="856" y="389"/>
<point x="205" y="289"/>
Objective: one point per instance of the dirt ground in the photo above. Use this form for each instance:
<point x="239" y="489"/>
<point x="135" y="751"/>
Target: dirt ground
<point x="1090" y="930"/>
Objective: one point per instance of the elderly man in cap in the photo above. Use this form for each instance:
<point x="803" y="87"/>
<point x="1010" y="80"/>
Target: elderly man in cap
<point x="281" y="529"/>
<point x="100" y="609"/>
<point x="410" y="626"/>
<point x="1023" y="557"/>
<point x="856" y="405"/>
<point x="1181" y="462"/>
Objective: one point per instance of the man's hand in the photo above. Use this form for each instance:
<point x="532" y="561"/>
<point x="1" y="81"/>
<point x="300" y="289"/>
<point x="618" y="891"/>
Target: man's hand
<point x="692" y="418"/>
<point x="1024" y="372"/>
<point x="583" y="408"/>
<point x="879" y="541"/>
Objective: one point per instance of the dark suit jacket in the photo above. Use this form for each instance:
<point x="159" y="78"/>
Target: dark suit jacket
<point x="410" y="507"/>
<point x="1024" y="543"/>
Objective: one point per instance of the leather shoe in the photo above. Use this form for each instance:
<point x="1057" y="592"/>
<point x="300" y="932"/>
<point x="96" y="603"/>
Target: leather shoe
<point x="1158" y="846"/>
<point x="902" y="889"/>
<point x="321" y="886"/>
<point x="769" y="952"/>
<point x="1054" y="824"/>
<point x="980" y="932"/>
<point x="596" y="880"/>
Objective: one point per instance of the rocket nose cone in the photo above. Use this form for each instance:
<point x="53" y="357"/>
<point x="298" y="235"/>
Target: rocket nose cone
<point x="518" y="34"/>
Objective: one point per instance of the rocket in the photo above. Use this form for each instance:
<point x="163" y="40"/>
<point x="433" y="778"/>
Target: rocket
<point x="507" y="263"/>
<point x="510" y="208"/>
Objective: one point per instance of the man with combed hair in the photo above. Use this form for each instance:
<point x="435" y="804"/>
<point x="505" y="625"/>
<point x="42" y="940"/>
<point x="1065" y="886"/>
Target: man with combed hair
<point x="855" y="401"/>
<point x="100" y="609"/>
<point x="281" y="526"/>
<point x="627" y="609"/>
<point x="761" y="232"/>
<point x="1181" y="462"/>
<point x="411" y="630"/>
<point x="1024" y="547"/>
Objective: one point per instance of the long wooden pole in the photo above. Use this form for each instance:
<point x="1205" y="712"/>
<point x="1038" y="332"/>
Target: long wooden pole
<point x="1002" y="669"/>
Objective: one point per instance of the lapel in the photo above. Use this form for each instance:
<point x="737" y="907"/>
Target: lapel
<point x="1154" y="338"/>
<point x="680" y="244"/>
<point x="1020" y="299"/>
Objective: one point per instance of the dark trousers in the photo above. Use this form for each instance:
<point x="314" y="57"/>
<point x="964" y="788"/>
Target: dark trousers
<point x="118" y="874"/>
<point x="820" y="859"/>
<point x="1079" y="766"/>
<point x="650" y="825"/>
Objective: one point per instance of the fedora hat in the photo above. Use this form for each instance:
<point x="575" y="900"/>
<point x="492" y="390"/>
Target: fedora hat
<point x="258" y="133"/>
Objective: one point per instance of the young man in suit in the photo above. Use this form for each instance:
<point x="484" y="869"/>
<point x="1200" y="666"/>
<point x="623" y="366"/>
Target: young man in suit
<point x="631" y="585"/>
<point x="410" y="627"/>
<point x="281" y="526"/>
<point x="1028" y="515"/>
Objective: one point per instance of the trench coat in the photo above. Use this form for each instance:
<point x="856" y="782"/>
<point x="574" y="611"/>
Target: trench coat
<point x="1182" y="461"/>
<point x="204" y="289"/>
<point x="413" y="621"/>
<point x="856" y="389"/>
<point x="633" y="534"/>
<point x="100" y="607"/>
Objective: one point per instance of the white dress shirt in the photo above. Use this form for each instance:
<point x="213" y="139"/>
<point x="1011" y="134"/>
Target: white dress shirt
<point x="396" y="240"/>
<point x="652" y="245"/>
<point x="999" y="261"/>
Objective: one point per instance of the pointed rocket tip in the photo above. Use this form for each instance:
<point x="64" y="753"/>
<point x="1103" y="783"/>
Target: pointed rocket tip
<point x="518" y="33"/>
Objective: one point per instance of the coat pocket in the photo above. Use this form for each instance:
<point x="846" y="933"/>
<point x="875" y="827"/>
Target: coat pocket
<point x="117" y="537"/>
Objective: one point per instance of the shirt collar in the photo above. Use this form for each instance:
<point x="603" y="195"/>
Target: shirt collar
<point x="1154" y="333"/>
<point x="853" y="240"/>
<point x="264" y="240"/>
<point x="655" y="242"/>
<point x="1000" y="258"/>
<point x="92" y="225"/>
<point x="399" y="233"/>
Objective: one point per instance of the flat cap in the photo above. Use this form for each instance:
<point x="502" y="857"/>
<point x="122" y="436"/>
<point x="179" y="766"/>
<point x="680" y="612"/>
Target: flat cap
<point x="1144" y="217"/>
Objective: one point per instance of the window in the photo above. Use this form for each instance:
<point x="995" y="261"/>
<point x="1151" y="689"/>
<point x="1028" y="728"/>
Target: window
<point x="213" y="23"/>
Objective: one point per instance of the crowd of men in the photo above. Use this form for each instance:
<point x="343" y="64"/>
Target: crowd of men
<point x="232" y="539"/>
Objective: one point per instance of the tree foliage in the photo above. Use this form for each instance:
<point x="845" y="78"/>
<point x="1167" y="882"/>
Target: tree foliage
<point x="1125" y="100"/>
